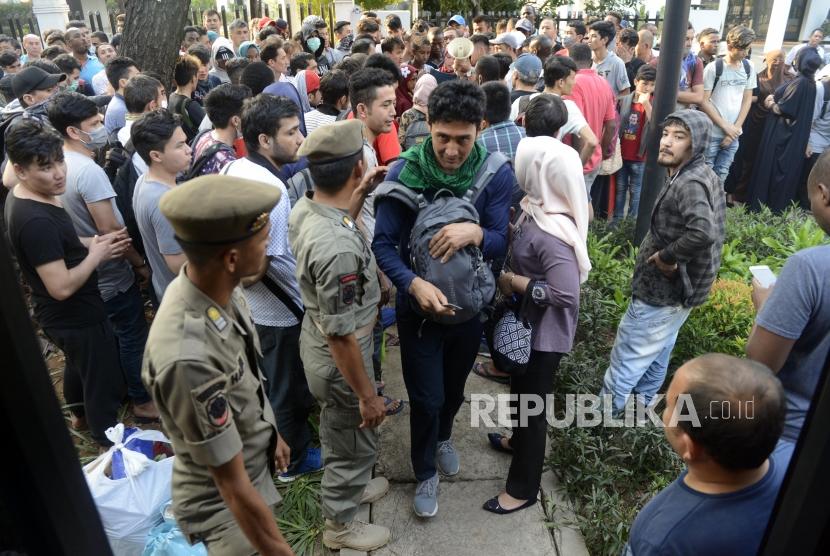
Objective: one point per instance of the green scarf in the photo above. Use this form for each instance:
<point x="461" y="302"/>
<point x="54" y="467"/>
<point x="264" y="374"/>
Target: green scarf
<point x="422" y="170"/>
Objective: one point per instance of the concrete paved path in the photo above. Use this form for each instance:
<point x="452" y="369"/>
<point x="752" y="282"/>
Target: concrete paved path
<point x="461" y="527"/>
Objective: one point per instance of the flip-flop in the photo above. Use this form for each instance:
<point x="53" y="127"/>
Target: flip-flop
<point x="387" y="401"/>
<point x="495" y="442"/>
<point x="480" y="369"/>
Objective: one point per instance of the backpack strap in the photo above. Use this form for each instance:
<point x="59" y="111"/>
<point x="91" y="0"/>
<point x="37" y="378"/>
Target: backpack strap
<point x="395" y="190"/>
<point x="485" y="174"/>
<point x="718" y="72"/>
<point x="298" y="185"/>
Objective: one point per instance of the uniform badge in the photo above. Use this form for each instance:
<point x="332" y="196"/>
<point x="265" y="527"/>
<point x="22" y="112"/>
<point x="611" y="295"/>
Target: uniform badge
<point x="347" y="288"/>
<point x="216" y="318"/>
<point x="538" y="293"/>
<point x="217" y="409"/>
<point x="348" y="222"/>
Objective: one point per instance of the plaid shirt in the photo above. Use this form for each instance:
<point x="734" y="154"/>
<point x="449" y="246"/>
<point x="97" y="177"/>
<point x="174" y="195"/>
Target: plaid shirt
<point x="503" y="137"/>
<point x="687" y="228"/>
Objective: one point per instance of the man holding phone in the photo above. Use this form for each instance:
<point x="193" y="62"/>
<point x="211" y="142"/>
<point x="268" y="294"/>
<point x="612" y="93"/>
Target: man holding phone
<point x="338" y="282"/>
<point x="790" y="333"/>
<point x="436" y="358"/>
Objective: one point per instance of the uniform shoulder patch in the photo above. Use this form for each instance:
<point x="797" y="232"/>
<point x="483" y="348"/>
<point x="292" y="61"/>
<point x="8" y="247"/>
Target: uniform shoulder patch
<point x="216" y="318"/>
<point x="348" y="282"/>
<point x="217" y="409"/>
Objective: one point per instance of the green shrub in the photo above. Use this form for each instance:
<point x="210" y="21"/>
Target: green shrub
<point x="610" y="473"/>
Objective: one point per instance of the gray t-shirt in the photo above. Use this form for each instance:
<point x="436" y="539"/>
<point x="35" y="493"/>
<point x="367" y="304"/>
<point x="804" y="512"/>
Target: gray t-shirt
<point x="728" y="96"/>
<point x="799" y="309"/>
<point x="156" y="231"/>
<point x="612" y="69"/>
<point x="87" y="183"/>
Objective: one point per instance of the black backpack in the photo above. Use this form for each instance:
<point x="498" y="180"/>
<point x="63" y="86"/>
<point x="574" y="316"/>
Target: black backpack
<point x="719" y="70"/>
<point x="123" y="182"/>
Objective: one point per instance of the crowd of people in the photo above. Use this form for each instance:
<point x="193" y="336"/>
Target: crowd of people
<point x="270" y="201"/>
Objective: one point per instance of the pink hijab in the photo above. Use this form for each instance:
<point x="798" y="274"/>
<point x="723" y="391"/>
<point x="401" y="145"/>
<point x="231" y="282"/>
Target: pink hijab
<point x="550" y="174"/>
<point x="423" y="88"/>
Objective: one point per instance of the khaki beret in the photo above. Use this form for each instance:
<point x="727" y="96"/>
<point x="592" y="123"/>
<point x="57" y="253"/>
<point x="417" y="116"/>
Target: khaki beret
<point x="332" y="142"/>
<point x="218" y="210"/>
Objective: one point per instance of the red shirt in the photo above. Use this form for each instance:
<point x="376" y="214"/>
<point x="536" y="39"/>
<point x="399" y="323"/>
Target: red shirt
<point x="632" y="134"/>
<point x="594" y="97"/>
<point x="386" y="144"/>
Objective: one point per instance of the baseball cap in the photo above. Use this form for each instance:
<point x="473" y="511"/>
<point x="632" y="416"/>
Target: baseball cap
<point x="223" y="53"/>
<point x="513" y="39"/>
<point x="34" y="79"/>
<point x="265" y="21"/>
<point x="281" y="24"/>
<point x="458" y="19"/>
<point x="312" y="82"/>
<point x="525" y="25"/>
<point x="529" y="67"/>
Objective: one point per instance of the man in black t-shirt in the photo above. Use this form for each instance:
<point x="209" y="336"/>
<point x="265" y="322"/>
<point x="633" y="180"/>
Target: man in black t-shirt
<point x="61" y="272"/>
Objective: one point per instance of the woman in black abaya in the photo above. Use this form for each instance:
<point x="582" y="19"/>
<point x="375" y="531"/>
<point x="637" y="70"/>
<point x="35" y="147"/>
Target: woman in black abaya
<point x="777" y="171"/>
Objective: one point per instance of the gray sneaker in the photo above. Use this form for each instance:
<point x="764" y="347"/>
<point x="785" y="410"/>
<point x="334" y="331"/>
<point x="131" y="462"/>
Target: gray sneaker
<point x="447" y="459"/>
<point x="426" y="497"/>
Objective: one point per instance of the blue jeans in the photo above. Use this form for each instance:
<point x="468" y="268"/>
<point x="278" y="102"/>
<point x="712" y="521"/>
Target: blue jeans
<point x="126" y="315"/>
<point x="629" y="178"/>
<point x="287" y="387"/>
<point x="641" y="352"/>
<point x="720" y="158"/>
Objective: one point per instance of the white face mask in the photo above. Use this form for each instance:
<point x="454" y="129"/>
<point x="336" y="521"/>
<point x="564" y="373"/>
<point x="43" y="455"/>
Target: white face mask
<point x="164" y="104"/>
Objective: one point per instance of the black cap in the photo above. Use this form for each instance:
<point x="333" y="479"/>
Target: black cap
<point x="34" y="79"/>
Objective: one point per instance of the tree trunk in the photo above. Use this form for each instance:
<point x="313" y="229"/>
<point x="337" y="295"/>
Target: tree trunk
<point x="153" y="34"/>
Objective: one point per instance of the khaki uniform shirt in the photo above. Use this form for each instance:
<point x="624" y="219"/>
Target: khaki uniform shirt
<point x="200" y="365"/>
<point x="336" y="271"/>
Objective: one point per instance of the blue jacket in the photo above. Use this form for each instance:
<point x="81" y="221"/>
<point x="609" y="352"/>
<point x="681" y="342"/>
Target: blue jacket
<point x="394" y="221"/>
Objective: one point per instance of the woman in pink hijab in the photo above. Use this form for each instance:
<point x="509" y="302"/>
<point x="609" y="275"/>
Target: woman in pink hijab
<point x="413" y="127"/>
<point x="547" y="263"/>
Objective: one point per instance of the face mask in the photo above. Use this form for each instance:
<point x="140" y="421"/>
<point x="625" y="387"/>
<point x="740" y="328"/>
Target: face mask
<point x="164" y="104"/>
<point x="97" y="138"/>
<point x="568" y="41"/>
<point x="313" y="44"/>
<point x="73" y="86"/>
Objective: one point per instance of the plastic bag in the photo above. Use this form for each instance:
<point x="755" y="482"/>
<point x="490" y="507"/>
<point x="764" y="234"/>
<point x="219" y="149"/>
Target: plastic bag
<point x="166" y="539"/>
<point x="128" y="506"/>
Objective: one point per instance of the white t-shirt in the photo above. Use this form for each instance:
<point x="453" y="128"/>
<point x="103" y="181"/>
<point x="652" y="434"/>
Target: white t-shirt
<point x="266" y="308"/>
<point x="797" y="48"/>
<point x="729" y="94"/>
<point x="575" y="123"/>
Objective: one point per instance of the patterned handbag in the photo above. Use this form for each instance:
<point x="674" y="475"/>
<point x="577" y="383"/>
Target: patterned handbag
<point x="511" y="338"/>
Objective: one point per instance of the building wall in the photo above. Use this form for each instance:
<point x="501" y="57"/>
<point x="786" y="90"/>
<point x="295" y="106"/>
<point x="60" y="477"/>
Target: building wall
<point x="814" y="16"/>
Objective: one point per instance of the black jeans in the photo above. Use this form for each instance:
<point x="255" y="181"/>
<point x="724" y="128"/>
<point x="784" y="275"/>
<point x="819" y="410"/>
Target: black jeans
<point x="126" y="314"/>
<point x="93" y="383"/>
<point x="287" y="387"/>
<point x="436" y="360"/>
<point x="528" y="442"/>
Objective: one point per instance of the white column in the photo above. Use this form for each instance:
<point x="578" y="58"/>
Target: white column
<point x="50" y="14"/>
<point x="777" y="24"/>
<point x="97" y="6"/>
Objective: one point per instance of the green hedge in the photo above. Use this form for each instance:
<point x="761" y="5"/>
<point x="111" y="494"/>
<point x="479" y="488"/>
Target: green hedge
<point x="608" y="473"/>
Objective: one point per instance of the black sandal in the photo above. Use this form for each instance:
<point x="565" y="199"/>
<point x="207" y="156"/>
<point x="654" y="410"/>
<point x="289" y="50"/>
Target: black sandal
<point x="495" y="442"/>
<point x="493" y="506"/>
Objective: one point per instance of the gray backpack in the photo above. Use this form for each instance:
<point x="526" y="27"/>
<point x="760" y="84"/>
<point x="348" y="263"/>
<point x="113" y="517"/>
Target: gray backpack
<point x="416" y="133"/>
<point x="466" y="279"/>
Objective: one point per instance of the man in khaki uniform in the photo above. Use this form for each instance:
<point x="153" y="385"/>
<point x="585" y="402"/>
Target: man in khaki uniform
<point x="200" y="366"/>
<point x="338" y="282"/>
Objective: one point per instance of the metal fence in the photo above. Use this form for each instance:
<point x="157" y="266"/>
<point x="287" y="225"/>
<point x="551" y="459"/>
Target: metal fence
<point x="18" y="27"/>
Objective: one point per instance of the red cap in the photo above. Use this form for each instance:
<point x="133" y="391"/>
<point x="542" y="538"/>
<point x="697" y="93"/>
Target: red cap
<point x="312" y="81"/>
<point x="265" y="21"/>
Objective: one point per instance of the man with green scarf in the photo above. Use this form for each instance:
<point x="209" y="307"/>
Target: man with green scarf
<point x="436" y="358"/>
